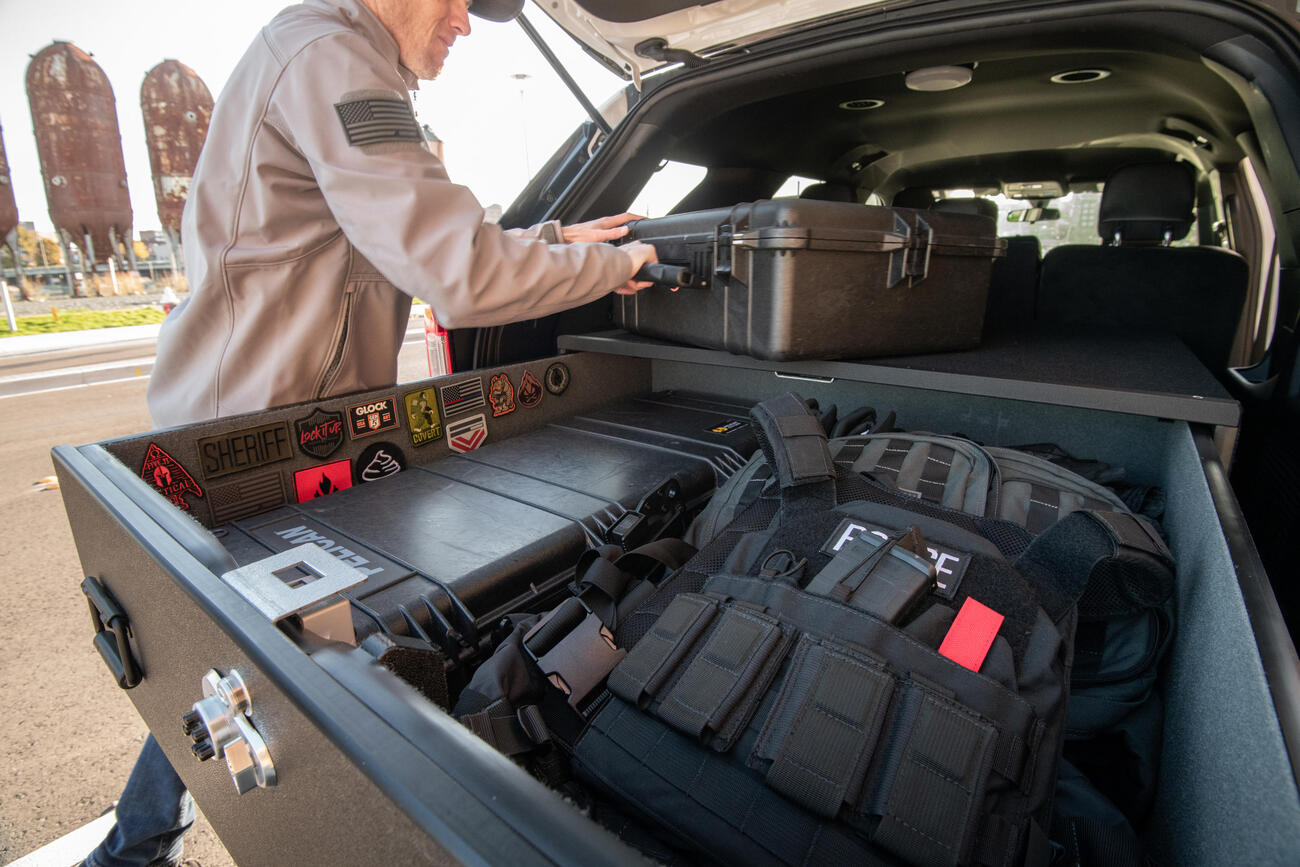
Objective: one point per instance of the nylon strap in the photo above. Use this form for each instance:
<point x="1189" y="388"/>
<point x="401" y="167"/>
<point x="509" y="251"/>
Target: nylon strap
<point x="509" y="731"/>
<point x="653" y="659"/>
<point x="794" y="444"/>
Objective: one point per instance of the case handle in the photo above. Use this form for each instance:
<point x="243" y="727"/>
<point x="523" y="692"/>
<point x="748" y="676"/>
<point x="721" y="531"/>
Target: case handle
<point x="112" y="633"/>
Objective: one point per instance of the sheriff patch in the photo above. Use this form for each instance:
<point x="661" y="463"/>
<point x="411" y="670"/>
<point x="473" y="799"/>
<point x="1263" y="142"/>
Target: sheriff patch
<point x="530" y="390"/>
<point x="168" y="477"/>
<point x="244" y="449"/>
<point x="377" y="120"/>
<point x="501" y="393"/>
<point x="422" y="417"/>
<point x="320" y="434"/>
<point x="379" y="461"/>
<point x="369" y="418"/>
<point x="323" y="480"/>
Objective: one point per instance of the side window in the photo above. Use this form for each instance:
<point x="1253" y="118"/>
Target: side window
<point x="793" y="186"/>
<point x="667" y="186"/>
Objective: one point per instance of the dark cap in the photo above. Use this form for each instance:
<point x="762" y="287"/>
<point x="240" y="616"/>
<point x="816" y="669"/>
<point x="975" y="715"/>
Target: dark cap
<point x="496" y="10"/>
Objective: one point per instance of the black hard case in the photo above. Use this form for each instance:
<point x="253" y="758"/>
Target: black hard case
<point x="791" y="279"/>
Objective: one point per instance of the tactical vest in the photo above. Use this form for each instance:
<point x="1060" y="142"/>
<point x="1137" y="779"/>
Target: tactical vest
<point x="844" y="671"/>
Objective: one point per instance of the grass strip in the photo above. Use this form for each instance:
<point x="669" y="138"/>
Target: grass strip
<point x="82" y="320"/>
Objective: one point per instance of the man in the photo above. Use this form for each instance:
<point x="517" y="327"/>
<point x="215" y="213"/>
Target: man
<point x="317" y="211"/>
<point x="315" y="214"/>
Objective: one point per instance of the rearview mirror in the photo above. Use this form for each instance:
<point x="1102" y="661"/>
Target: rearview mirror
<point x="1033" y="215"/>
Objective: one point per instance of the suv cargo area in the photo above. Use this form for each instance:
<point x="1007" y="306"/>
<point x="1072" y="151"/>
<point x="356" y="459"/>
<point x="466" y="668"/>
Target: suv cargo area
<point x="1169" y="357"/>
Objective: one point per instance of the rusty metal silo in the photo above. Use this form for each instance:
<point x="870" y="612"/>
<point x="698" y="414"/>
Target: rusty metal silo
<point x="177" y="107"/>
<point x="74" y="115"/>
<point x="8" y="207"/>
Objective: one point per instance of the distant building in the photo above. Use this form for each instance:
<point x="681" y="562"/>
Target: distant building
<point x="156" y="241"/>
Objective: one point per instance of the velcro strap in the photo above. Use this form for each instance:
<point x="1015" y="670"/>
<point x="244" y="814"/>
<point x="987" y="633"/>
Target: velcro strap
<point x="726" y="678"/>
<point x="795" y="446"/>
<point x="509" y="731"/>
<point x="823" y="729"/>
<point x="654" y="658"/>
<point x="799" y="426"/>
<point x="1136" y="533"/>
<point x="934" y="801"/>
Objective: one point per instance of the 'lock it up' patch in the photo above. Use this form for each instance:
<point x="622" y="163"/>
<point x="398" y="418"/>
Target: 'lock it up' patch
<point x="530" y="390"/>
<point x="467" y="434"/>
<point x="558" y="378"/>
<point x="322" y="481"/>
<point x="377" y="119"/>
<point x="422" y="417"/>
<point x="501" y="393"/>
<point x="379" y="461"/>
<point x="168" y="477"/>
<point x="462" y="396"/>
<point x="245" y="449"/>
<point x="319" y="434"/>
<point x="371" y="417"/>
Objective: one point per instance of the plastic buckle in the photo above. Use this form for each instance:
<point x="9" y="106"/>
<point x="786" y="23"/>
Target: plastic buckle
<point x="578" y="662"/>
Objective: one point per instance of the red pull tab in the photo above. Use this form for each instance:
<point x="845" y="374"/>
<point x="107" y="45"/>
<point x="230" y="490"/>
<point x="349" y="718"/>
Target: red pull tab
<point x="971" y="634"/>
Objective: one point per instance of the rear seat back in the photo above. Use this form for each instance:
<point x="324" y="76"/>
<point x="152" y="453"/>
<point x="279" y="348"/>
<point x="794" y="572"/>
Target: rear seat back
<point x="1013" y="283"/>
<point x="1136" y="281"/>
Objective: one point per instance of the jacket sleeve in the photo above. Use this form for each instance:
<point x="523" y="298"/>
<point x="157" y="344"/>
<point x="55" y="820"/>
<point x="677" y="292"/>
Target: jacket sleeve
<point x="396" y="205"/>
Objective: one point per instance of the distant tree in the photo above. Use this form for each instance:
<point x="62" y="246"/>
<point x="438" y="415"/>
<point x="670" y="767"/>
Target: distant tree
<point x="29" y="243"/>
<point x="53" y="252"/>
<point x="141" y="251"/>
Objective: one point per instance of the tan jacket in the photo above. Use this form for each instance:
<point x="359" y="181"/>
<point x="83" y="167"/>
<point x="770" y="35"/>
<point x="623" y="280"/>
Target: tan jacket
<point x="303" y="250"/>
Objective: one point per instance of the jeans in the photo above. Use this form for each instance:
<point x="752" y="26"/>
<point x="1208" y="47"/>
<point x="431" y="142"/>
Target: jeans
<point x="153" y="815"/>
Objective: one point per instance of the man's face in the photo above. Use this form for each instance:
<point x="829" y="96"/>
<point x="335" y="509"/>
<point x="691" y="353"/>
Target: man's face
<point x="425" y="31"/>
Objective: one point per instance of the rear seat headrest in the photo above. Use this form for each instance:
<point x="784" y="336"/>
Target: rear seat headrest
<point x="913" y="197"/>
<point x="1143" y="203"/>
<point x="828" y="193"/>
<point x="978" y="207"/>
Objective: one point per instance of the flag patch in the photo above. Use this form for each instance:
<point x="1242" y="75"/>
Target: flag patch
<point x="378" y="119"/>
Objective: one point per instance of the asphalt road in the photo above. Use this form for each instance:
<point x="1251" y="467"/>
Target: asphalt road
<point x="68" y="735"/>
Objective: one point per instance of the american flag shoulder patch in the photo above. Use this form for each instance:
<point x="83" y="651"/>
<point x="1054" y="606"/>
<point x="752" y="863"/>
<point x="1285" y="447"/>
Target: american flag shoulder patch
<point x="377" y="119"/>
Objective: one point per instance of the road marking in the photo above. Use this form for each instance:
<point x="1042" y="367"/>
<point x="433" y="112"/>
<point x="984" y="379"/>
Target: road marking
<point x="76" y="385"/>
<point x="71" y="847"/>
<point x="76" y="371"/>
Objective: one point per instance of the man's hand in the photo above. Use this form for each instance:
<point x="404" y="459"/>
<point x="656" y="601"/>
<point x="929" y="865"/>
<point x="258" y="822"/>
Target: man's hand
<point x="604" y="229"/>
<point x="641" y="254"/>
